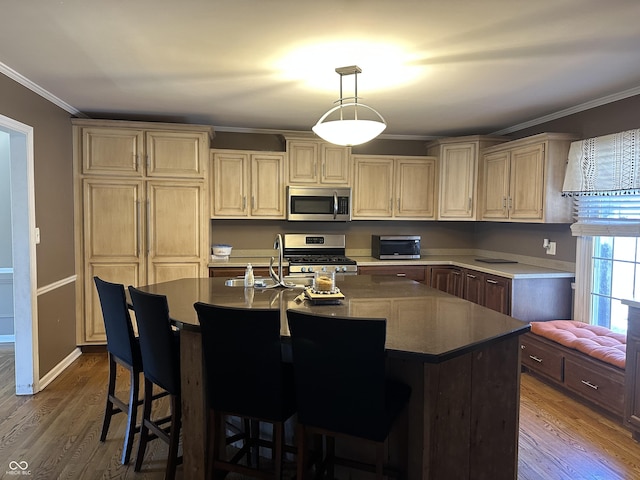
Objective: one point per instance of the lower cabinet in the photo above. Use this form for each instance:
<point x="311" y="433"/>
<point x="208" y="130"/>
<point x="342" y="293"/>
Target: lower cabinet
<point x="490" y="291"/>
<point x="412" y="272"/>
<point x="528" y="299"/>
<point x="632" y="372"/>
<point x="588" y="378"/>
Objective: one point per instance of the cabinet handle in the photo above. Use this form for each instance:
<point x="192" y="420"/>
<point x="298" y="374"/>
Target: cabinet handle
<point x="253" y="202"/>
<point x="391" y="204"/>
<point x="324" y="170"/>
<point x="536" y="359"/>
<point x="244" y="203"/>
<point x="589" y="384"/>
<point x="491" y="281"/>
<point x="504" y="202"/>
<point x="148" y="162"/>
<point x="470" y="204"/>
<point x="135" y="161"/>
<point x="510" y="203"/>
<point x="455" y="273"/>
<point x="470" y="276"/>
<point x="398" y="203"/>
<point x="401" y="274"/>
<point x="148" y="226"/>
<point x="522" y="347"/>
<point x="138" y="226"/>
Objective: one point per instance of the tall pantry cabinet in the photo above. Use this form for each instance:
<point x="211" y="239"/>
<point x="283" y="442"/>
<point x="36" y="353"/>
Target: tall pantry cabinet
<point x="141" y="212"/>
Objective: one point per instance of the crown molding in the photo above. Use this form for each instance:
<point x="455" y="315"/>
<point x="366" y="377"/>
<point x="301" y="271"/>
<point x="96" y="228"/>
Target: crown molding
<point x="598" y="102"/>
<point x="25" y="82"/>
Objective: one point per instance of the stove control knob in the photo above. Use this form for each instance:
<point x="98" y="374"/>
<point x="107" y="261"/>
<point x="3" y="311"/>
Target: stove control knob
<point x="309" y="269"/>
<point x="337" y="269"/>
<point x="344" y="269"/>
<point x="324" y="269"/>
<point x="303" y="269"/>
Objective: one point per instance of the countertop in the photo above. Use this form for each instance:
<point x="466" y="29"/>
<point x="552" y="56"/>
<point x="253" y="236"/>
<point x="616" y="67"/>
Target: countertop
<point x="422" y="323"/>
<point x="508" y="270"/>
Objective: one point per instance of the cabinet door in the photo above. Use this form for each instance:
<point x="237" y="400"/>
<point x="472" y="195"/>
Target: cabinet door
<point x="527" y="182"/>
<point x="496" y="180"/>
<point x="112" y="151"/>
<point x="176" y="154"/>
<point x="267" y="189"/>
<point x="458" y="165"/>
<point x="373" y="187"/>
<point x="473" y="286"/>
<point x="113" y="243"/>
<point x="113" y="219"/>
<point x="415" y="188"/>
<point x="126" y="273"/>
<point x="447" y="279"/>
<point x="335" y="164"/>
<point x="230" y="177"/>
<point x="497" y="294"/>
<point x="302" y="162"/>
<point x="176" y="230"/>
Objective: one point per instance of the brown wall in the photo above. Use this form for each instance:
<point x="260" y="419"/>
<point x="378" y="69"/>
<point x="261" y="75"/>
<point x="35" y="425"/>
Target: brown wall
<point x="54" y="215"/>
<point x="256" y="234"/>
<point x="611" y="118"/>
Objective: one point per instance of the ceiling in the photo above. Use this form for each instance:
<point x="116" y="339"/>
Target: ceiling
<point x="431" y="68"/>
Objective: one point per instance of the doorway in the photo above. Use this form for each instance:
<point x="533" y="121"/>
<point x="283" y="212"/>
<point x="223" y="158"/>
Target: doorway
<point x="23" y="243"/>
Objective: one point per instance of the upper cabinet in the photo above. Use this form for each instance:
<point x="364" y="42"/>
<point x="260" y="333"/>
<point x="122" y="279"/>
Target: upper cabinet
<point x="247" y="184"/>
<point x="521" y="180"/>
<point x="458" y="174"/>
<point x="133" y="149"/>
<point x="314" y="162"/>
<point x="394" y="187"/>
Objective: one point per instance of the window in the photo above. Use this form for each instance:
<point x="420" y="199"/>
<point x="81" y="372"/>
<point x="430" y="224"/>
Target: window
<point x="616" y="276"/>
<point x="608" y="258"/>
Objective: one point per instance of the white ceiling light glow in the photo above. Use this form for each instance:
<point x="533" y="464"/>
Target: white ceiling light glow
<point x="344" y="124"/>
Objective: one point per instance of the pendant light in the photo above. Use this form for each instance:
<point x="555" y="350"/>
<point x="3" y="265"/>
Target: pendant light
<point x="343" y="124"/>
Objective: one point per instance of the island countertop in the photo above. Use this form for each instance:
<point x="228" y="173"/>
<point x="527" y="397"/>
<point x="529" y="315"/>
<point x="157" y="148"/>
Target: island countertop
<point x="423" y="323"/>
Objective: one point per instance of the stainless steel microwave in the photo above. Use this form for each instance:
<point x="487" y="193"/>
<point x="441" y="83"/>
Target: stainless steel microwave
<point x="324" y="204"/>
<point x="388" y="247"/>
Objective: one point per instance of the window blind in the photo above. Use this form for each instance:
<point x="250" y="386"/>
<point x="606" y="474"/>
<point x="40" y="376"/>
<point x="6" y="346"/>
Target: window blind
<point x="616" y="215"/>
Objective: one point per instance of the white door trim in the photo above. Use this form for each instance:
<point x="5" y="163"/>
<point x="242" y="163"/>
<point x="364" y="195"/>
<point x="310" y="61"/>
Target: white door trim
<point x="23" y="227"/>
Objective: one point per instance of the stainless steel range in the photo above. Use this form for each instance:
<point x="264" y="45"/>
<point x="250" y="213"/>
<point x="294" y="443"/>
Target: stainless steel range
<point x="308" y="253"/>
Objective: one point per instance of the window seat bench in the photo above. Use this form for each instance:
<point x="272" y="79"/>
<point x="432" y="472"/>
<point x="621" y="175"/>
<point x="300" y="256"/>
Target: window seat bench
<point x="585" y="360"/>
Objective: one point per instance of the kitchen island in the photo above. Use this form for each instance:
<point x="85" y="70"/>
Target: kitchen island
<point x="461" y="360"/>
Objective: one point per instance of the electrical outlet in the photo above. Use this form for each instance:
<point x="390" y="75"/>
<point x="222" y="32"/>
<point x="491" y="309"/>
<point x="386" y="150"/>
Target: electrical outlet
<point x="551" y="249"/>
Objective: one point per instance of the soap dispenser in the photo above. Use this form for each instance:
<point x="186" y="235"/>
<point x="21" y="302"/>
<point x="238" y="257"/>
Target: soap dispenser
<point x="249" y="279"/>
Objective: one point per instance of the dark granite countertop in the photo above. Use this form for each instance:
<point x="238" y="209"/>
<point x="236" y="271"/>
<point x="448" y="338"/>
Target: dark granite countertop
<point x="422" y="323"/>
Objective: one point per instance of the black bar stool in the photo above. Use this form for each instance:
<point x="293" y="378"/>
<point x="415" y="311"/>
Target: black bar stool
<point x="245" y="377"/>
<point x="160" y="349"/>
<point x="341" y="387"/>
<point x="124" y="349"/>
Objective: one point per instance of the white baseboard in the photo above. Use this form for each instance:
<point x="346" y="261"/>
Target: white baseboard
<point x="58" y="369"/>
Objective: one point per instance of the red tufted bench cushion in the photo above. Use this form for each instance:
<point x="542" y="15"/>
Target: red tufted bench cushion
<point x="593" y="340"/>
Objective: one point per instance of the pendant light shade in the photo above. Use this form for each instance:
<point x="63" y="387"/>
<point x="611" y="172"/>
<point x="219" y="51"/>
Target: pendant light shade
<point x="350" y="123"/>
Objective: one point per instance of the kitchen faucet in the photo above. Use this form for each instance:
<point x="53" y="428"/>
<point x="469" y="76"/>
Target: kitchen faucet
<point x="277" y="277"/>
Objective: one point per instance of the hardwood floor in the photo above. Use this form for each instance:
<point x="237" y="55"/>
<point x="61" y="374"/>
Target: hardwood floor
<point x="57" y="432"/>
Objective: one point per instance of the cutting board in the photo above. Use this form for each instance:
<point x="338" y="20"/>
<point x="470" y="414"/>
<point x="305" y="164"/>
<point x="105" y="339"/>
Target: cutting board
<point x="324" y="298"/>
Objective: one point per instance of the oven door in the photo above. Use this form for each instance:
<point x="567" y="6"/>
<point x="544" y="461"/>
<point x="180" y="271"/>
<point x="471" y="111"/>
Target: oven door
<point x="319" y="204"/>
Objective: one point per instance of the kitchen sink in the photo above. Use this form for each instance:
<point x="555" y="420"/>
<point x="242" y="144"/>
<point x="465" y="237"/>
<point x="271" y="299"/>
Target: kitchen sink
<point x="266" y="282"/>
